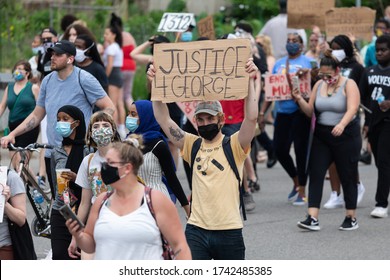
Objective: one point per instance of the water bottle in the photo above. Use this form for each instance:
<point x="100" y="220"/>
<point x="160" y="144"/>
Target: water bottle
<point x="38" y="198"/>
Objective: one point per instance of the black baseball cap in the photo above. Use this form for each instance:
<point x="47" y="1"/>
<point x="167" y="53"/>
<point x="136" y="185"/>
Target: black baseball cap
<point x="62" y="47"/>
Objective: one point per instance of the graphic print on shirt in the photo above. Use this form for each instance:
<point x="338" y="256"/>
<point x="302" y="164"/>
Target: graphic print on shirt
<point x="96" y="182"/>
<point x="380" y="82"/>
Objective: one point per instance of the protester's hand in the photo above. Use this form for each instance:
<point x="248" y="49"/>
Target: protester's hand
<point x="338" y="129"/>
<point x="151" y="73"/>
<point x="384" y="105"/>
<point x="251" y="68"/>
<point x="6" y="140"/>
<point x="296" y="94"/>
<point x="69" y="175"/>
<point x="74" y="228"/>
<point x="72" y="249"/>
<point x="6" y="192"/>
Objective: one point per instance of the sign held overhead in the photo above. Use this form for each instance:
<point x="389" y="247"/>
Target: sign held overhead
<point x="358" y="21"/>
<point x="201" y="70"/>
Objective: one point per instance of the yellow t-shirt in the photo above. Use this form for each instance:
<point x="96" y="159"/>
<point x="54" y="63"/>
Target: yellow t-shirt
<point x="215" y="195"/>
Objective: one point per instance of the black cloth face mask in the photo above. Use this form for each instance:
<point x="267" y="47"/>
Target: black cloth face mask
<point x="110" y="174"/>
<point x="209" y="131"/>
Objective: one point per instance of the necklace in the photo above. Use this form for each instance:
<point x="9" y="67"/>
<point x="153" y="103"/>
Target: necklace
<point x="329" y="93"/>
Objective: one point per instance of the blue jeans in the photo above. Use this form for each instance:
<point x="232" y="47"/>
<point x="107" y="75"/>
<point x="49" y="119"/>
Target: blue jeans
<point x="215" y="244"/>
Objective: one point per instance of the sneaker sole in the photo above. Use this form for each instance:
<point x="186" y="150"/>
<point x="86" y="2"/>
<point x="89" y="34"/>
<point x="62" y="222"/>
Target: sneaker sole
<point x="312" y="228"/>
<point x="333" y="206"/>
<point x="299" y="203"/>
<point x="348" y="229"/>
<point x="379" y="216"/>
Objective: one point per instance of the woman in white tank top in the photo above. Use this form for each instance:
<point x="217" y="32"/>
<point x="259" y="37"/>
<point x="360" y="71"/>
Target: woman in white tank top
<point x="121" y="226"/>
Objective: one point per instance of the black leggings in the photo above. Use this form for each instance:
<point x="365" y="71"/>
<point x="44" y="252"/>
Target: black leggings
<point x="379" y="138"/>
<point x="60" y="236"/>
<point x="291" y="128"/>
<point x="344" y="150"/>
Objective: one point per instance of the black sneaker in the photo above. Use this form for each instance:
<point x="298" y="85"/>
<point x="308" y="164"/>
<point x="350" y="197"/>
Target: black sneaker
<point x="272" y="160"/>
<point x="310" y="223"/>
<point x="349" y="224"/>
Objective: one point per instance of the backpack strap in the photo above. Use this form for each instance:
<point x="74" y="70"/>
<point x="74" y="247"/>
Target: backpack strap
<point x="227" y="149"/>
<point x="86" y="97"/>
<point x="106" y="196"/>
<point x="194" y="150"/>
<point x="89" y="161"/>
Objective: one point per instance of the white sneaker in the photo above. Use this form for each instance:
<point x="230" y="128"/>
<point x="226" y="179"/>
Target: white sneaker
<point x="361" y="190"/>
<point x="335" y="201"/>
<point x="379" y="212"/>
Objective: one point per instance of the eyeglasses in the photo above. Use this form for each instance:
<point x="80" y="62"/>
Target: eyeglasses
<point x="105" y="164"/>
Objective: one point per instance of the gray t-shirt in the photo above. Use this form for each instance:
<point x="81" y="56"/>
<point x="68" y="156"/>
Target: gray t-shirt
<point x="56" y="93"/>
<point x="16" y="185"/>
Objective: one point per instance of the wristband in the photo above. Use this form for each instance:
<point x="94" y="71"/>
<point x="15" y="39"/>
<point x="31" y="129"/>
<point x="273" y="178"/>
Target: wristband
<point x="261" y="114"/>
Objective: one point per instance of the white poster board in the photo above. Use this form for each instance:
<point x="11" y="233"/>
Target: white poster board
<point x="175" y="22"/>
<point x="3" y="182"/>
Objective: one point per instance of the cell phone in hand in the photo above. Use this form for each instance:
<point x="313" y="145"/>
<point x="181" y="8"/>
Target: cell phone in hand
<point x="67" y="213"/>
<point x="295" y="82"/>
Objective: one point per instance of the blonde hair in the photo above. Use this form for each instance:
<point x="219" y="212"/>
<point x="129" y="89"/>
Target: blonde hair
<point x="101" y="116"/>
<point x="266" y="43"/>
<point x="130" y="150"/>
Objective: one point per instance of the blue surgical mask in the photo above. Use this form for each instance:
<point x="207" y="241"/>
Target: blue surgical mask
<point x="293" y="48"/>
<point x="36" y="50"/>
<point x="131" y="124"/>
<point x="63" y="129"/>
<point x="186" y="36"/>
<point x="18" y="76"/>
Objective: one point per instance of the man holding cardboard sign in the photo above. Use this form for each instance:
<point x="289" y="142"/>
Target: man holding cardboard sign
<point x="202" y="70"/>
<point x="215" y="192"/>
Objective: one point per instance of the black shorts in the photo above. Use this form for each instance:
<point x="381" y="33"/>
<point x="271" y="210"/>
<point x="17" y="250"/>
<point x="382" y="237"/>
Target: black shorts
<point x="116" y="77"/>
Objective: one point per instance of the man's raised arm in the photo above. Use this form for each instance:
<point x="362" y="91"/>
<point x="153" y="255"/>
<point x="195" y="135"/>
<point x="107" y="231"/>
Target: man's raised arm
<point x="247" y="130"/>
<point x="161" y="113"/>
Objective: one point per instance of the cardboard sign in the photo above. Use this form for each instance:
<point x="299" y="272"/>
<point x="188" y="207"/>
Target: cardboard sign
<point x="206" y="28"/>
<point x="188" y="108"/>
<point x="3" y="182"/>
<point x="201" y="70"/>
<point x="276" y="87"/>
<point x="358" y="21"/>
<point x="175" y="22"/>
<point x="306" y="13"/>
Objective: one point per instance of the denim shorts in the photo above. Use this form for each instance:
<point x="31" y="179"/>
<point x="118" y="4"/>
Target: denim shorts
<point x="215" y="244"/>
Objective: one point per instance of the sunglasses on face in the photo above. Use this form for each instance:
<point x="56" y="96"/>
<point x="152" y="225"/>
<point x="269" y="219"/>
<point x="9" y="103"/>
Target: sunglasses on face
<point x="325" y="76"/>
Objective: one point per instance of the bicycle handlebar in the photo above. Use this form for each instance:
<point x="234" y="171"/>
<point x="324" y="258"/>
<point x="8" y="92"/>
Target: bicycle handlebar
<point x="30" y="147"/>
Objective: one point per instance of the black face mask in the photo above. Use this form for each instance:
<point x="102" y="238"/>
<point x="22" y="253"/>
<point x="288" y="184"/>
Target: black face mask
<point x="209" y="131"/>
<point x="110" y="174"/>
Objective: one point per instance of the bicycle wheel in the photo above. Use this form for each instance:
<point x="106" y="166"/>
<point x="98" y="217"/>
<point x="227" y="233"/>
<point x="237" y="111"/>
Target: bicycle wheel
<point x="40" y="230"/>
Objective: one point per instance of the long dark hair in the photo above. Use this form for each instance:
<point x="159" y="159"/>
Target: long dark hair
<point x="93" y="52"/>
<point x="118" y="34"/>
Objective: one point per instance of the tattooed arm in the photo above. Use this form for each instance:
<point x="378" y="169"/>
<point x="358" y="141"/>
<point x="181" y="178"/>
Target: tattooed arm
<point x="32" y="121"/>
<point x="170" y="128"/>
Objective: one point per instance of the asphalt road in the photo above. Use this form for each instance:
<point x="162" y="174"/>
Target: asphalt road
<point x="271" y="233"/>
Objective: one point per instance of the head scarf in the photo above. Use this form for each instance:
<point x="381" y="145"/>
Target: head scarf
<point x="148" y="126"/>
<point x="76" y="154"/>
